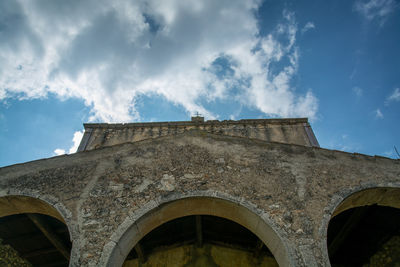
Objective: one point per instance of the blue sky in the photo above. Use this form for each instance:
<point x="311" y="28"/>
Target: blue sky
<point x="63" y="63"/>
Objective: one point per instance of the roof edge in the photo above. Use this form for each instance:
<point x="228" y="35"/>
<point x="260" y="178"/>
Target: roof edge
<point x="190" y="123"/>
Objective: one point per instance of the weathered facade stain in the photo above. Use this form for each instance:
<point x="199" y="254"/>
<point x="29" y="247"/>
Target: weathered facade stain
<point x="295" y="188"/>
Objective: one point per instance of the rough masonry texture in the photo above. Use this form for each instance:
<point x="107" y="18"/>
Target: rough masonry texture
<point x="292" y="131"/>
<point x="268" y="175"/>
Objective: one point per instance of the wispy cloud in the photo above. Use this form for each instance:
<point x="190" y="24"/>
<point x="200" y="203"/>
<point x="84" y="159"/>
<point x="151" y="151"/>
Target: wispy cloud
<point x="357" y="91"/>
<point x="309" y="26"/>
<point x="389" y="153"/>
<point x="344" y="142"/>
<point x="76" y="139"/>
<point x="59" y="151"/>
<point x="375" y="9"/>
<point x="378" y="114"/>
<point x="109" y="53"/>
<point x="395" y="96"/>
<point x="392" y="153"/>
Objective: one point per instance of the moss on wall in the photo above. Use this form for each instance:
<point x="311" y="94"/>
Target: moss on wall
<point x="9" y="257"/>
<point x="208" y="255"/>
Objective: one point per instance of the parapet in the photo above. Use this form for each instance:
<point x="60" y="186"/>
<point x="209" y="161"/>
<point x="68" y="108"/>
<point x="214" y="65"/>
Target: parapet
<point x="290" y="131"/>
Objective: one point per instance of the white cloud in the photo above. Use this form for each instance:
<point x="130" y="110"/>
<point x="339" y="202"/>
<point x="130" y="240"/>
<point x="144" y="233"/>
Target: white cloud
<point x="75" y="144"/>
<point x="344" y="143"/>
<point x="375" y="9"/>
<point x="76" y="141"/>
<point x="119" y="50"/>
<point x="309" y="26"/>
<point x="378" y="114"/>
<point x="59" y="151"/>
<point x="357" y="91"/>
<point x="395" y="96"/>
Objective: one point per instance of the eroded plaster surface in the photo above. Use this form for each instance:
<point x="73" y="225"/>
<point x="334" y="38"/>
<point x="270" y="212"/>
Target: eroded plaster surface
<point x="292" y="187"/>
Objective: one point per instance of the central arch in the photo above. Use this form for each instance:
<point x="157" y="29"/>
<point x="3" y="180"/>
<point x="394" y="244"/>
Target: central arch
<point x="197" y="205"/>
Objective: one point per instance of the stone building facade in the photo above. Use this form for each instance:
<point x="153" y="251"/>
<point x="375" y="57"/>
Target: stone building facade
<point x="268" y="176"/>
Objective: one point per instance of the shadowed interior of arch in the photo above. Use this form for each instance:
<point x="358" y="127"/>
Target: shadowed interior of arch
<point x="369" y="234"/>
<point x="31" y="234"/>
<point x="146" y="220"/>
<point x="200" y="240"/>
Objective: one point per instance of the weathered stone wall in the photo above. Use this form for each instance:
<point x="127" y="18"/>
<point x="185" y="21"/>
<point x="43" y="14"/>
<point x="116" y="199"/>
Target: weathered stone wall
<point x="294" y="189"/>
<point x="291" y="131"/>
<point x="208" y="255"/>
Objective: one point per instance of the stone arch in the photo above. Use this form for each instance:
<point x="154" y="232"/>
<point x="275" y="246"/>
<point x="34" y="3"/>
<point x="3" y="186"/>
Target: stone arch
<point x="158" y="213"/>
<point x="386" y="195"/>
<point x="43" y="204"/>
<point x="16" y="202"/>
<point x="11" y="205"/>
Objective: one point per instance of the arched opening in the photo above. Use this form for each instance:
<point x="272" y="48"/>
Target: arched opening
<point x="200" y="240"/>
<point x="32" y="233"/>
<point x="365" y="229"/>
<point x="198" y="225"/>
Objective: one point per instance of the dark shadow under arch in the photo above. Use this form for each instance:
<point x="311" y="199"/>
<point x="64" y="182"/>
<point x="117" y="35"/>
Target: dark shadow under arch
<point x="212" y="206"/>
<point x="35" y="230"/>
<point x="201" y="240"/>
<point x="362" y="225"/>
